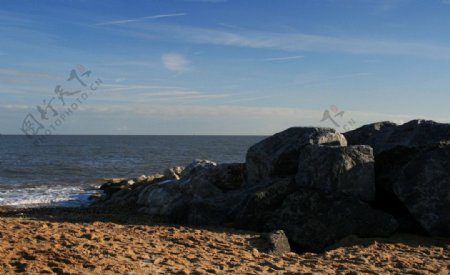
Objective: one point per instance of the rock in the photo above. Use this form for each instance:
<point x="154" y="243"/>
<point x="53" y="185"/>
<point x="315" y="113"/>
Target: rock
<point x="383" y="136"/>
<point x="203" y="195"/>
<point x="274" y="243"/>
<point x="142" y="178"/>
<point x="229" y="176"/>
<point x="211" y="180"/>
<point x="218" y="210"/>
<point x="168" y="200"/>
<point x="174" y="172"/>
<point x="114" y="185"/>
<point x="196" y="164"/>
<point x="125" y="193"/>
<point x="278" y="154"/>
<point x="260" y="205"/>
<point x="314" y="220"/>
<point x="96" y="197"/>
<point x="420" y="179"/>
<point x="338" y="169"/>
<point x="200" y="182"/>
<point x="366" y="133"/>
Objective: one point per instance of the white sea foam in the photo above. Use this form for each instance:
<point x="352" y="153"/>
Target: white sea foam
<point x="39" y="196"/>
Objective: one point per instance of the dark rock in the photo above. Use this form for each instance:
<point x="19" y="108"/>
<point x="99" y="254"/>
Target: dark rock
<point x="274" y="243"/>
<point x="278" y="154"/>
<point x="204" y="194"/>
<point x="167" y="199"/>
<point x="418" y="179"/>
<point x="383" y="136"/>
<point x="260" y="205"/>
<point x="338" y="169"/>
<point x="217" y="210"/>
<point x="229" y="176"/>
<point x="200" y="182"/>
<point x="314" y="220"/>
<point x="212" y="180"/>
<point x="114" y="185"/>
<point x="365" y="134"/>
<point x="96" y="197"/>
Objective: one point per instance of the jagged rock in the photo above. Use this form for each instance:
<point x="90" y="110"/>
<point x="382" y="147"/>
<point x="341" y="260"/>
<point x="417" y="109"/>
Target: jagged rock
<point x="383" y="136"/>
<point x="274" y="243"/>
<point x="419" y="178"/>
<point x="278" y="154"/>
<point x="338" y="169"/>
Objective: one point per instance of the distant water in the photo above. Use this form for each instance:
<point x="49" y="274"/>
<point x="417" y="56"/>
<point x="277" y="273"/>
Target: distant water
<point x="65" y="170"/>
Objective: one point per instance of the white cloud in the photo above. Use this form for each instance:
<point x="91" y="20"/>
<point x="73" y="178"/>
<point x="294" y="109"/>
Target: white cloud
<point x="175" y="62"/>
<point x="123" y="21"/>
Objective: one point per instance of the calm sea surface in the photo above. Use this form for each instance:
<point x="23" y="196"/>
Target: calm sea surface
<point x="65" y="170"/>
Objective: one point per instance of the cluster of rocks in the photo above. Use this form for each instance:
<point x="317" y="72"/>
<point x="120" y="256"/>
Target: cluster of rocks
<point x="315" y="184"/>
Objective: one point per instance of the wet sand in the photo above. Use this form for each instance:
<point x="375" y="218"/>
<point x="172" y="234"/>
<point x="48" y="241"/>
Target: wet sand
<point x="78" y="241"/>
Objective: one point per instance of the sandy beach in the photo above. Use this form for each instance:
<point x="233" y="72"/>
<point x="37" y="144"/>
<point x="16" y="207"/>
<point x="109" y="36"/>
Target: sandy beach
<point x="96" y="241"/>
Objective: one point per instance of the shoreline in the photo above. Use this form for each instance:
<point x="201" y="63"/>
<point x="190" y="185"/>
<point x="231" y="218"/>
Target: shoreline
<point x="100" y="240"/>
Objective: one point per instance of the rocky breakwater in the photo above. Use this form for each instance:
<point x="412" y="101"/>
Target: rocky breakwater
<point x="315" y="184"/>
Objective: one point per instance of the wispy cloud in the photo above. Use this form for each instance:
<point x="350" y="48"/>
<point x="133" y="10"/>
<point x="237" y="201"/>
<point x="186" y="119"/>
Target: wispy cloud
<point x="11" y="72"/>
<point x="283" y="58"/>
<point x="124" y="21"/>
<point x="175" y="62"/>
<point x="293" y="42"/>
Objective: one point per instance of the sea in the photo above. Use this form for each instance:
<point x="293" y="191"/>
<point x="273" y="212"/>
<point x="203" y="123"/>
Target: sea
<point x="67" y="170"/>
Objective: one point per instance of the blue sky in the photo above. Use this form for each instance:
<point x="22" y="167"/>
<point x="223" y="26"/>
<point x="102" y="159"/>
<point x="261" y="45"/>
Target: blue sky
<point x="224" y="67"/>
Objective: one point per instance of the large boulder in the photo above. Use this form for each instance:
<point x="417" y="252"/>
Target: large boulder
<point x="197" y="164"/>
<point x="383" y="136"/>
<point x="313" y="219"/>
<point x="218" y="210"/>
<point x="261" y="204"/>
<point x="206" y="193"/>
<point x="212" y="180"/>
<point x="348" y="169"/>
<point x="278" y="155"/>
<point x="167" y="200"/>
<point x="420" y="179"/>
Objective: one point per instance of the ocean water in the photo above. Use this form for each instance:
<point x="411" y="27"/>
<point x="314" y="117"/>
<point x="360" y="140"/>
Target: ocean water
<point x="65" y="170"/>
